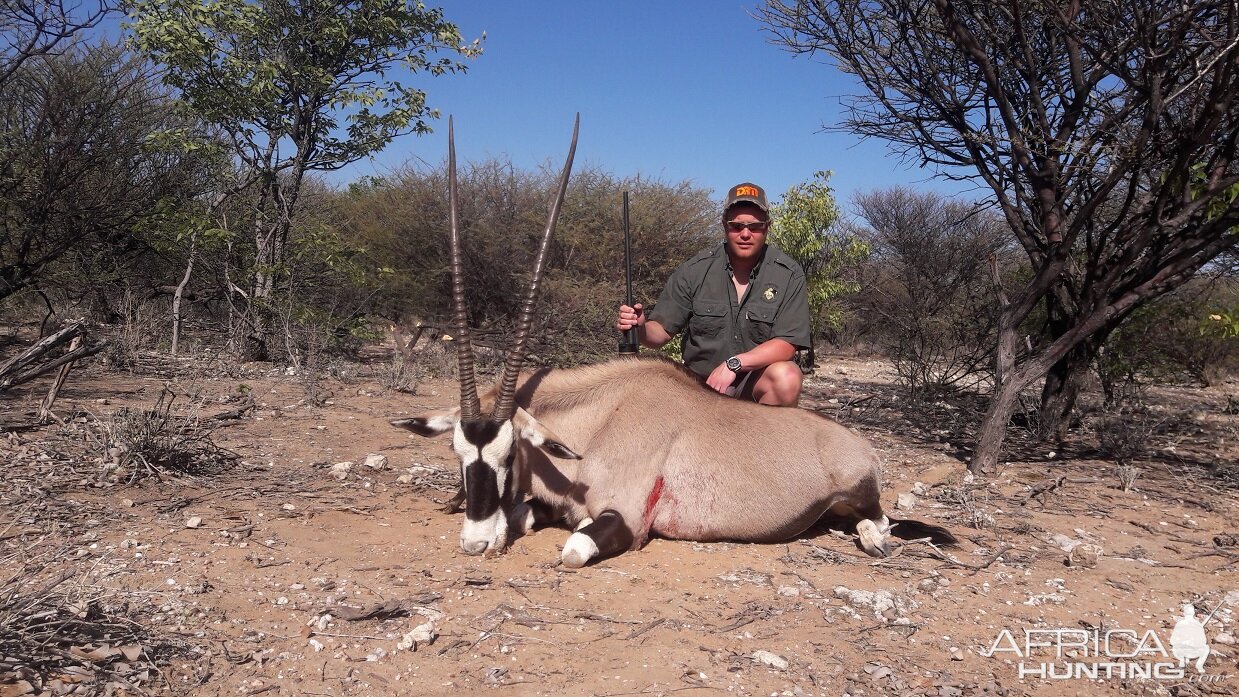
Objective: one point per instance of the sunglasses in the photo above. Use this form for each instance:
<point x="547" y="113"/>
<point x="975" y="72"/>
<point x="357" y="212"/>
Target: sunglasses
<point x="756" y="226"/>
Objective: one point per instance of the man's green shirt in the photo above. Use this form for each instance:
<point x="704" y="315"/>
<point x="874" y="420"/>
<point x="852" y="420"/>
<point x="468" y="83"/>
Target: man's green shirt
<point x="700" y="300"/>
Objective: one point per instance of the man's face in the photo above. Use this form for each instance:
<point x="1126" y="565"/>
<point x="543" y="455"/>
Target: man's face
<point x="746" y="226"/>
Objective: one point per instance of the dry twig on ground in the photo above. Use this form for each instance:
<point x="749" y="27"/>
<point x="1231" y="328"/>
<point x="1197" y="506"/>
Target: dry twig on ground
<point x="59" y="631"/>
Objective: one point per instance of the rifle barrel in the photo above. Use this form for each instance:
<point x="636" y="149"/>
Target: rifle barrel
<point x="629" y="343"/>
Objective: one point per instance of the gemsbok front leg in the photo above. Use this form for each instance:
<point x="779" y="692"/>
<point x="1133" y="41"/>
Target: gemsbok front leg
<point x="606" y="534"/>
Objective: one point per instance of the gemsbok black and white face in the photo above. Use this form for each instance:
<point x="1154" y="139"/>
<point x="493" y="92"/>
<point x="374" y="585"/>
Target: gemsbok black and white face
<point x="486" y="444"/>
<point x="487" y="452"/>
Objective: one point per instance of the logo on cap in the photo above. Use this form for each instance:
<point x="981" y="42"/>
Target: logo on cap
<point x="747" y="191"/>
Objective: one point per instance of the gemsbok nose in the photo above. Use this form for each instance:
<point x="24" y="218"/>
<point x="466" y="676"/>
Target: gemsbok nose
<point x="473" y="547"/>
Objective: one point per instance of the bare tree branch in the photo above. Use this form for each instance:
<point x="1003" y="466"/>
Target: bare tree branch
<point x="1105" y="131"/>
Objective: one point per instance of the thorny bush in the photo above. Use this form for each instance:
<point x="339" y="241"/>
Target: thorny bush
<point x="136" y="443"/>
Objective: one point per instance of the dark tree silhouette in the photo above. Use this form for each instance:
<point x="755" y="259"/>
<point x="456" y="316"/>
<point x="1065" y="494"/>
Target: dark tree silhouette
<point x="79" y="163"/>
<point x="32" y="28"/>
<point x="1105" y="131"/>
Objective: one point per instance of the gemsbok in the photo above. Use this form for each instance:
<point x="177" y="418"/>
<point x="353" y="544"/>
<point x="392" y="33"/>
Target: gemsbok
<point x="635" y="447"/>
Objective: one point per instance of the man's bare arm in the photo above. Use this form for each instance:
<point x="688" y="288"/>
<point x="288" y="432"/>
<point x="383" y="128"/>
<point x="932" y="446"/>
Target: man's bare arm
<point x="650" y="333"/>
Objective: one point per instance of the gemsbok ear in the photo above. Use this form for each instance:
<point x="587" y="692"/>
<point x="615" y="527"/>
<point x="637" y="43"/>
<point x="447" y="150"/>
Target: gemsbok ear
<point x="430" y="424"/>
<point x="540" y="436"/>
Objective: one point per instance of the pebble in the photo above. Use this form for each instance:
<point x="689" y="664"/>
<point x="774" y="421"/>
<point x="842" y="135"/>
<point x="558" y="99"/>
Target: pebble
<point x="772" y="660"/>
<point x="376" y="461"/>
<point x="877" y="671"/>
<point x="422" y="634"/>
<point x="1063" y="542"/>
<point x="340" y="470"/>
<point x="193" y="522"/>
<point x="1084" y="555"/>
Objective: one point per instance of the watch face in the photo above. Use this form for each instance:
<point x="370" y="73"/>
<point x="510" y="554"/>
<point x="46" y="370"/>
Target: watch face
<point x="733" y="364"/>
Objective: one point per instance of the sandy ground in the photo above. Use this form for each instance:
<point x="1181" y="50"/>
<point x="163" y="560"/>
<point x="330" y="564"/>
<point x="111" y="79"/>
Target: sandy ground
<point x="252" y="573"/>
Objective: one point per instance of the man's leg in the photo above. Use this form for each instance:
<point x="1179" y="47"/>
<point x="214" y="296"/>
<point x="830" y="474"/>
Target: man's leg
<point x="777" y="384"/>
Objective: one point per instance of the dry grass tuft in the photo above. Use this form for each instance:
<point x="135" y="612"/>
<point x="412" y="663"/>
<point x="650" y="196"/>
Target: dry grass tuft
<point x="140" y="443"/>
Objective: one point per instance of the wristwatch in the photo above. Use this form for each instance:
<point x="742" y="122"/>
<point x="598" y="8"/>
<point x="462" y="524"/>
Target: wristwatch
<point x="733" y="364"/>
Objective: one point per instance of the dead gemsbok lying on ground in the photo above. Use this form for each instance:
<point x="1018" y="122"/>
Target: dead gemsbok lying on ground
<point x="637" y="447"/>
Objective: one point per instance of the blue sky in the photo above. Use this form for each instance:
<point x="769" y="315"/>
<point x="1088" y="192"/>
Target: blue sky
<point x="680" y="90"/>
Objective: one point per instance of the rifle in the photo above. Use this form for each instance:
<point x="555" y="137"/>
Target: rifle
<point x="628" y="343"/>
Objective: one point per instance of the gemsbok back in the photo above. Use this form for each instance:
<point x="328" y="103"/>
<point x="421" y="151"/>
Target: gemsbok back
<point x="635" y="447"/>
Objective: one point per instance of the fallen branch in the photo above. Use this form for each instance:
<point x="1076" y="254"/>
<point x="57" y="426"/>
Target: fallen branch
<point x="41" y="347"/>
<point x="45" y="409"/>
<point x="938" y="553"/>
<point x="22" y="367"/>
<point x="642" y="630"/>
<point x="234" y="414"/>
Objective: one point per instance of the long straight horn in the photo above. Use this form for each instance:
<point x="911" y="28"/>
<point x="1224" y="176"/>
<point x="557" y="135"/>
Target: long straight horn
<point x="504" y="405"/>
<point x="470" y="405"/>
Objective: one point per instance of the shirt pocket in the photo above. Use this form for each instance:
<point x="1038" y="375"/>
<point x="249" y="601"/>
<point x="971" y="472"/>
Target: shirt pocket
<point x="759" y="324"/>
<point x="708" y="319"/>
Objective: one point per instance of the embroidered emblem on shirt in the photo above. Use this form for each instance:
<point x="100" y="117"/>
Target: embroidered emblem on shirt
<point x="768" y="294"/>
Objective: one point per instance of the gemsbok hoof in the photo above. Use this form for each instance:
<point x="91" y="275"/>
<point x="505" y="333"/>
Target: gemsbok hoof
<point x="873" y="540"/>
<point x="578" y="550"/>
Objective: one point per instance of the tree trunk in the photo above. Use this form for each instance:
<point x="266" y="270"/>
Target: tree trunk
<point x="1012" y="379"/>
<point x="180" y="292"/>
<point x="271" y="232"/>
<point x="1006" y="392"/>
<point x="1062" y="387"/>
<point x="258" y="324"/>
<point x="1066" y="378"/>
<point x="994" y="426"/>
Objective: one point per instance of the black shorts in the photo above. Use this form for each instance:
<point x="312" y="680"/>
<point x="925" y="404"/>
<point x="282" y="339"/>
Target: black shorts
<point x="742" y="386"/>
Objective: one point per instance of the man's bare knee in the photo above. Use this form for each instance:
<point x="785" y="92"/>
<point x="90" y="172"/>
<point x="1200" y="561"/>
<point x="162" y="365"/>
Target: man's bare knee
<point x="779" y="385"/>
